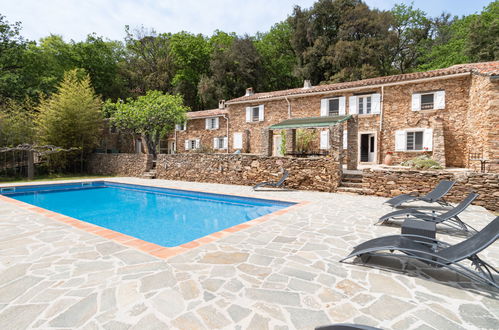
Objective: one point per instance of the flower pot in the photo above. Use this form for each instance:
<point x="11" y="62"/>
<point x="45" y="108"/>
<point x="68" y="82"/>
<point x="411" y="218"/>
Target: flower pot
<point x="388" y="160"/>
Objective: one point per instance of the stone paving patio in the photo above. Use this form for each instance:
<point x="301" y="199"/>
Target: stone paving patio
<point x="280" y="274"/>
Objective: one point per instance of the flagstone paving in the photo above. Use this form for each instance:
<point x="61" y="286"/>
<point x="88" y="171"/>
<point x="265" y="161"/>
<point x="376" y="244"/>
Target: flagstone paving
<point x="280" y="274"/>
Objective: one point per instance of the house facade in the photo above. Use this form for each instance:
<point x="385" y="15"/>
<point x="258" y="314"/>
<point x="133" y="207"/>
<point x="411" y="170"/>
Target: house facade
<point x="449" y="114"/>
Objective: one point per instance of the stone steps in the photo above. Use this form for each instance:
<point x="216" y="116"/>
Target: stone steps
<point x="351" y="183"/>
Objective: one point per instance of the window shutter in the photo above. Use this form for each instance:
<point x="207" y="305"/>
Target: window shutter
<point x="428" y="139"/>
<point x="248" y="114"/>
<point x="324" y="107"/>
<point x="325" y="139"/>
<point x="260" y="113"/>
<point x="216" y="123"/>
<point x="238" y="140"/>
<point x="342" y="102"/>
<point x="440" y="100"/>
<point x="226" y="143"/>
<point x="376" y="103"/>
<point x="352" y="103"/>
<point x="198" y="143"/>
<point x="345" y="139"/>
<point x="416" y="102"/>
<point x="400" y="140"/>
<point x="186" y="144"/>
<point x="207" y="123"/>
<point x="215" y="146"/>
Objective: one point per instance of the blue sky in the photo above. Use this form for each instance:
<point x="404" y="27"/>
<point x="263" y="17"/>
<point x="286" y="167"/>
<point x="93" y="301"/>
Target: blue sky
<point x="74" y="19"/>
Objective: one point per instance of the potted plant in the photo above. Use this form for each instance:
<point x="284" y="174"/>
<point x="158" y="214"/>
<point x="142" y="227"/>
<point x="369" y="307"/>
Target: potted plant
<point x="388" y="158"/>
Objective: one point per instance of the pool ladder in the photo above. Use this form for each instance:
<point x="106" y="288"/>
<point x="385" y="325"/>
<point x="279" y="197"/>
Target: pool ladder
<point x="7" y="189"/>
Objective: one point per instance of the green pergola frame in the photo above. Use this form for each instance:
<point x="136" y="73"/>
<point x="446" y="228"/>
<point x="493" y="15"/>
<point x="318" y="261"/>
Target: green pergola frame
<point x="310" y="122"/>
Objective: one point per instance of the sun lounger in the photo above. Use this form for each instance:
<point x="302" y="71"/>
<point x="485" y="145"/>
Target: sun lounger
<point x="277" y="184"/>
<point x="434" y="196"/>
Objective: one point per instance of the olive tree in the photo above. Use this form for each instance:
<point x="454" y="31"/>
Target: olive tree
<point x="152" y="115"/>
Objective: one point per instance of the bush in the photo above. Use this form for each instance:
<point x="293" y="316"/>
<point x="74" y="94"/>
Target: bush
<point x="422" y="163"/>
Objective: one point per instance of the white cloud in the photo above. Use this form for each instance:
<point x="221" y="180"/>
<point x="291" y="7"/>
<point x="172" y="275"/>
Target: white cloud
<point x="74" y="19"/>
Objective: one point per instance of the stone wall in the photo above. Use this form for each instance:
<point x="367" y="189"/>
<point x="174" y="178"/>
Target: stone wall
<point x="318" y="173"/>
<point x="196" y="129"/>
<point x="119" y="164"/>
<point x="392" y="182"/>
<point x="483" y="122"/>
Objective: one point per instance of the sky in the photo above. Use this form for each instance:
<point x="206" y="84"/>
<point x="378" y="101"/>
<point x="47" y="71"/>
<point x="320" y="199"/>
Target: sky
<point x="75" y="19"/>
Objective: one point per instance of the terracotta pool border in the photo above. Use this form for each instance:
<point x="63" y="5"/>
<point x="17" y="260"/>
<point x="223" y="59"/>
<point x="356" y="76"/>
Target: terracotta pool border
<point x="144" y="246"/>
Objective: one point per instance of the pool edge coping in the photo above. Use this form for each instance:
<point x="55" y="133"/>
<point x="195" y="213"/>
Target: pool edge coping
<point x="148" y="247"/>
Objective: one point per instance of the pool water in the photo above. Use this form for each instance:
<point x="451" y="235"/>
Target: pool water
<point x="167" y="217"/>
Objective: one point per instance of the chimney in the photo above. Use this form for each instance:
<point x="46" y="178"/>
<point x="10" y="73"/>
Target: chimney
<point x="221" y="104"/>
<point x="249" y="91"/>
<point x="307" y="84"/>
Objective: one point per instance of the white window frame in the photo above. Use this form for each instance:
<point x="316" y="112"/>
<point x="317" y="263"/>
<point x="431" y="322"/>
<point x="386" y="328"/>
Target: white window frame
<point x="192" y="144"/>
<point x="401" y="139"/>
<point x="212" y="123"/>
<point x="250" y="118"/>
<point x="216" y="143"/>
<point x="364" y="109"/>
<point x="438" y="100"/>
<point x="414" y="132"/>
<point x="325" y="106"/>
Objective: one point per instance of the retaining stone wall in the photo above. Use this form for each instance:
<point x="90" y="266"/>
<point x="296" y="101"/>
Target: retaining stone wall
<point x="119" y="164"/>
<point x="392" y="182"/>
<point x="321" y="173"/>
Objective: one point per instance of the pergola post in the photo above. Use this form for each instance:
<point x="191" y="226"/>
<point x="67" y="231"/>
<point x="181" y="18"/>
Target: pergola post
<point x="267" y="142"/>
<point x="335" y="142"/>
<point x="290" y="141"/>
<point x="352" y="143"/>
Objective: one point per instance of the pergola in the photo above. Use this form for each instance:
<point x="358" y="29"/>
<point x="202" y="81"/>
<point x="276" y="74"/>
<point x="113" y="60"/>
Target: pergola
<point x="332" y="123"/>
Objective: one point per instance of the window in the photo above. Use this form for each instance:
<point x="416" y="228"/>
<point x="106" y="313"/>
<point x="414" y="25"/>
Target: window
<point x="334" y="107"/>
<point x="220" y="143"/>
<point x="414" y="141"/>
<point x="254" y="114"/>
<point x="192" y="144"/>
<point x="181" y="127"/>
<point x="427" y="101"/>
<point x="211" y="123"/>
<point x="364" y="105"/>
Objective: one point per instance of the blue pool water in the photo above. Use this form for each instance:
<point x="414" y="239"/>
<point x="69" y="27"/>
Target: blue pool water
<point x="167" y="217"/>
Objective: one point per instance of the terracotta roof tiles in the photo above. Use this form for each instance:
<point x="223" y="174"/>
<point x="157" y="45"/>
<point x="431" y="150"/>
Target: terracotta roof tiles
<point x="484" y="68"/>
<point x="206" y="113"/>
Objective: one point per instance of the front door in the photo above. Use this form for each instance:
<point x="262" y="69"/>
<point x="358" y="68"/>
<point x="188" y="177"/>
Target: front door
<point x="276" y="151"/>
<point x="367" y="148"/>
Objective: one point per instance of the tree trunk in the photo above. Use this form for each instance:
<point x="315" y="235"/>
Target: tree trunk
<point x="151" y="145"/>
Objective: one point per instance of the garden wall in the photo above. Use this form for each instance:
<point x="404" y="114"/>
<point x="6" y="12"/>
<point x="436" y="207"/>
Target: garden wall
<point x="321" y="173"/>
<point x="392" y="182"/>
<point x="119" y="164"/>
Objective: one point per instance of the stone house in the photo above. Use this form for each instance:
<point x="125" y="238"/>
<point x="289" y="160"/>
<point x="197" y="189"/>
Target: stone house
<point x="448" y="113"/>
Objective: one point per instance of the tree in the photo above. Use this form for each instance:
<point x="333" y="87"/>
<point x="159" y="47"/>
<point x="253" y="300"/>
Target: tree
<point x="232" y="70"/>
<point x="191" y="56"/>
<point x="278" y="58"/>
<point x="12" y="51"/>
<point x="151" y="115"/>
<point x="71" y="117"/>
<point x="16" y="123"/>
<point x="483" y="38"/>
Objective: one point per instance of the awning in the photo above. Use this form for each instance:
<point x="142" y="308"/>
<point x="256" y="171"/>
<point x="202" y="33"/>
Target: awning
<point x="310" y="122"/>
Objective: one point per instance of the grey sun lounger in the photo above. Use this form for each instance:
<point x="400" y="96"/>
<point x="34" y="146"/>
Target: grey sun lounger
<point x="346" y="326"/>
<point x="449" y="218"/>
<point x="437" y="253"/>
<point x="277" y="184"/>
<point x="434" y="196"/>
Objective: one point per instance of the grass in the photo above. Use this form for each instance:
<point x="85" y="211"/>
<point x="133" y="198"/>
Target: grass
<point x="53" y="177"/>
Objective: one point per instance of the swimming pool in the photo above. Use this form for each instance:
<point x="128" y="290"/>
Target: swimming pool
<point x="164" y="216"/>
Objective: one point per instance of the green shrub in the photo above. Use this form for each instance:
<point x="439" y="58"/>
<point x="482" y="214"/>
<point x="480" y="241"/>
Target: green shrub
<point x="423" y="162"/>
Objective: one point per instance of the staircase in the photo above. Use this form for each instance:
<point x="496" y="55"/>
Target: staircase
<point x="151" y="173"/>
<point x="351" y="182"/>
